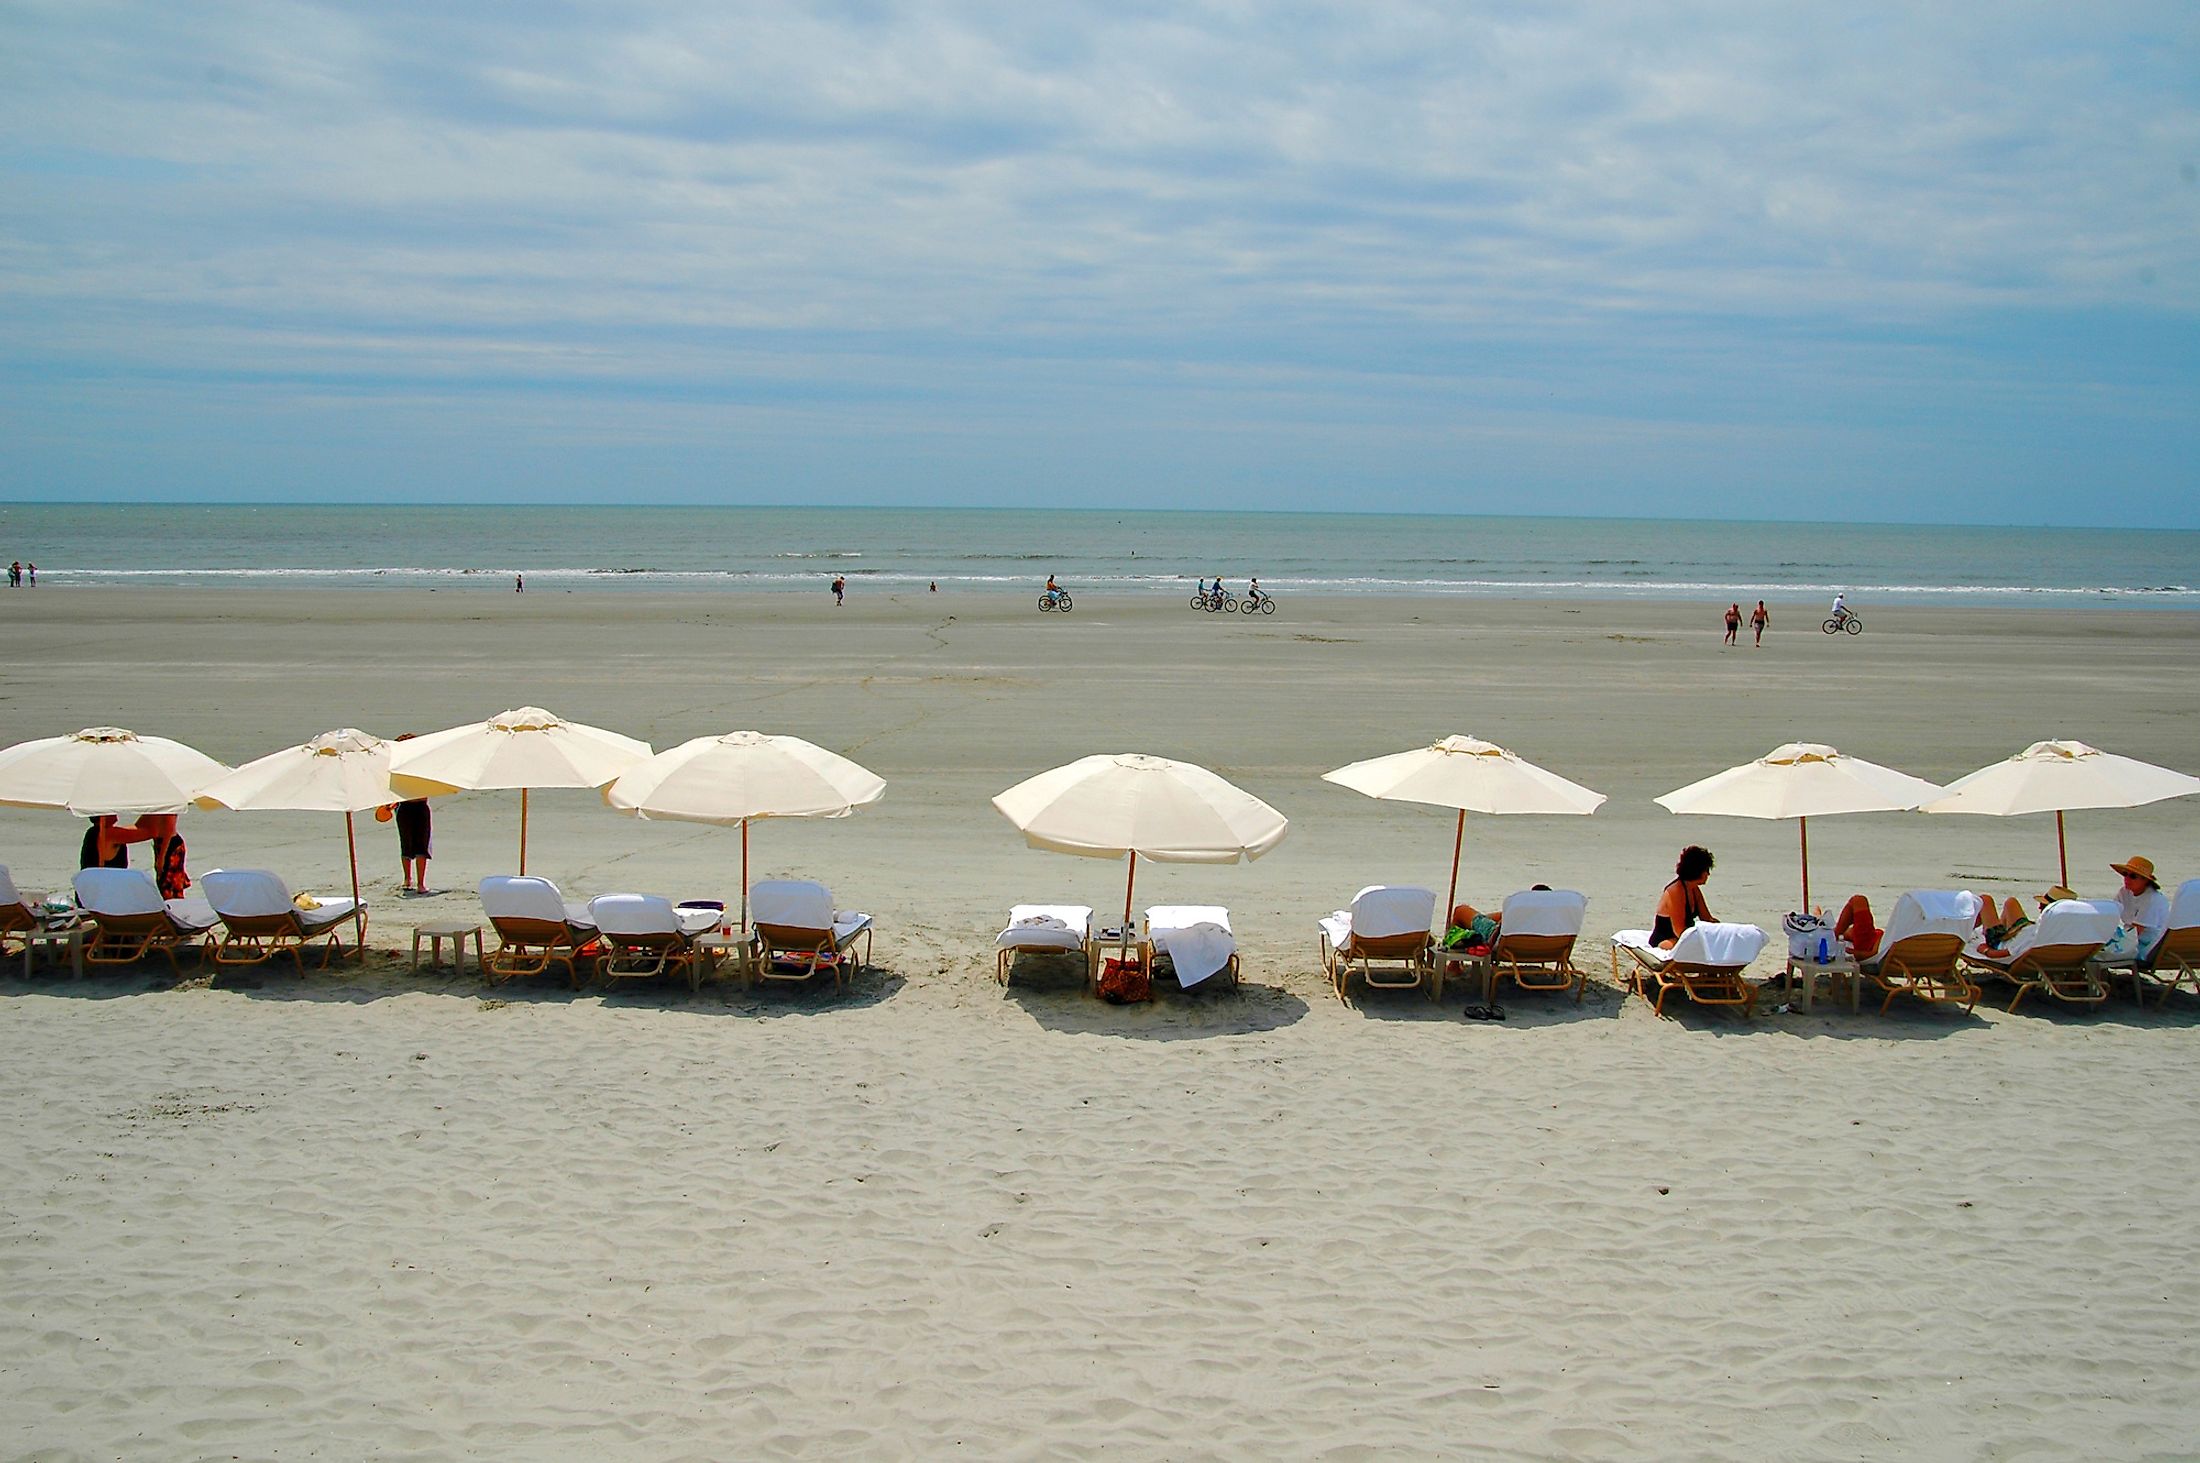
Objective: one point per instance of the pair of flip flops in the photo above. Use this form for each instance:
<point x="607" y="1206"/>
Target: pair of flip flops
<point x="1484" y="1013"/>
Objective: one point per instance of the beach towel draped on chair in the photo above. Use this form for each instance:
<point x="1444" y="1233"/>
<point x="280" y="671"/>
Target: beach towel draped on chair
<point x="537" y="927"/>
<point x="645" y="935"/>
<point x="2053" y="954"/>
<point x="1045" y="929"/>
<point x="1921" y="953"/>
<point x="798" y="935"/>
<point x="131" y="920"/>
<point x="261" y="918"/>
<point x="1705" y="965"/>
<point x="1388" y="926"/>
<point x="1196" y="938"/>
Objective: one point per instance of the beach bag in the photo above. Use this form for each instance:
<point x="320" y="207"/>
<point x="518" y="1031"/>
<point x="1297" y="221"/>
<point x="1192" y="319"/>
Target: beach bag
<point x="1125" y="982"/>
<point x="1804" y="931"/>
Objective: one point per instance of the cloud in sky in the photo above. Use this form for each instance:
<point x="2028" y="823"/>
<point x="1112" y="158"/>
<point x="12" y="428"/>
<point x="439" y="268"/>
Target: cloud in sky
<point x="1692" y="259"/>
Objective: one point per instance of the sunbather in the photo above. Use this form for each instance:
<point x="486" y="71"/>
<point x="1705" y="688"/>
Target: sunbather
<point x="1856" y="929"/>
<point x="2142" y="905"/>
<point x="1682" y="903"/>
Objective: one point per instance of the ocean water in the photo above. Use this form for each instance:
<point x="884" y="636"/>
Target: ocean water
<point x="610" y="549"/>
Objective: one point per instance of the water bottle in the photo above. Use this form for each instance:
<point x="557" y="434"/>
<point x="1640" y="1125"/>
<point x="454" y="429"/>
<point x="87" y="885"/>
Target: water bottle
<point x="1825" y="951"/>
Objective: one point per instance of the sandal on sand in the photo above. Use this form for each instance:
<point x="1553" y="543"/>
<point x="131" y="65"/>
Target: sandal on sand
<point x="1484" y="1013"/>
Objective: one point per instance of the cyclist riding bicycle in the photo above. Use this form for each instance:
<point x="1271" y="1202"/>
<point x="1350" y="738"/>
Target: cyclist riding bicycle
<point x="1053" y="591"/>
<point x="1841" y="608"/>
<point x="1253" y="593"/>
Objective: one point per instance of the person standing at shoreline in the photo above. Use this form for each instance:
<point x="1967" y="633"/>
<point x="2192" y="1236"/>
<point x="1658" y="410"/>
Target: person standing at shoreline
<point x="840" y="590"/>
<point x="1758" y="619"/>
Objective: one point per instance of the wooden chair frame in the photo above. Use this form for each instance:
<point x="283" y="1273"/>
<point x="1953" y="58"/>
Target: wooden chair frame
<point x="1413" y="951"/>
<point x="528" y="946"/>
<point x="815" y="950"/>
<point x="2061" y="971"/>
<point x="1706" y="985"/>
<point x="254" y="939"/>
<point x="1004" y="958"/>
<point x="2175" y="962"/>
<point x="641" y="957"/>
<point x="1928" y="966"/>
<point x="1532" y="963"/>
<point x="125" y="939"/>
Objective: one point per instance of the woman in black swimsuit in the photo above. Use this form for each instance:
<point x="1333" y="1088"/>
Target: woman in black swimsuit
<point x="1682" y="905"/>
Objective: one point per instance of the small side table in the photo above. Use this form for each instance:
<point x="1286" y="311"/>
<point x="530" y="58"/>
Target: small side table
<point x="457" y="931"/>
<point x="1805" y="970"/>
<point x="70" y="938"/>
<point x="716" y="947"/>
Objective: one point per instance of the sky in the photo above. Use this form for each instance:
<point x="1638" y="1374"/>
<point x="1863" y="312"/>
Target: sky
<point x="1915" y="262"/>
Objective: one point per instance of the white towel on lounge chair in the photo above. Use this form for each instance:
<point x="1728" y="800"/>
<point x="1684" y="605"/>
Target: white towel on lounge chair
<point x="132" y="891"/>
<point x="261" y="894"/>
<point x="524" y="896"/>
<point x="649" y="914"/>
<point x="802" y="904"/>
<point x="1381" y="911"/>
<point x="1542" y="912"/>
<point x="1928" y="912"/>
<point x="1719" y="946"/>
<point x="1045" y="927"/>
<point x="2065" y="922"/>
<point x="1195" y="937"/>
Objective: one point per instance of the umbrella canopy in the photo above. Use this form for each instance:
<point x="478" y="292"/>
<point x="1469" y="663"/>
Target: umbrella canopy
<point x="740" y="776"/>
<point x="104" y="769"/>
<point x="2055" y="776"/>
<point x="1470" y="775"/>
<point x="1802" y="780"/>
<point x="525" y="749"/>
<point x="344" y="771"/>
<point x="1126" y="805"/>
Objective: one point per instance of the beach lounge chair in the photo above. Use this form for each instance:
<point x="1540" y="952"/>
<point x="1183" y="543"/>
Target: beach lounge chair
<point x="1921" y="953"/>
<point x="643" y="935"/>
<point x="17" y="918"/>
<point x="1705" y="965"/>
<point x="537" y="927"/>
<point x="2176" y="958"/>
<point x="2054" y="953"/>
<point x="1196" y="938"/>
<point x="131" y="920"/>
<point x="261" y="918"/>
<point x="1536" y="932"/>
<point x="1046" y="929"/>
<point x="798" y="935"/>
<point x="1387" y="926"/>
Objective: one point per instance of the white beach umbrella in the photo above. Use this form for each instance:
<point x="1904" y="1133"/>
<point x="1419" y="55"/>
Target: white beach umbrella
<point x="524" y="749"/>
<point x="1470" y="775"/>
<point x="1802" y="780"/>
<point x="2056" y="776"/>
<point x="104" y="769"/>
<point x="740" y="776"/>
<point x="1127" y="805"/>
<point x="345" y="771"/>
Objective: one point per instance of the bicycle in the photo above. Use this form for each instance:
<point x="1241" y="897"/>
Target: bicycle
<point x="1852" y="622"/>
<point x="1259" y="602"/>
<point x="1222" y="601"/>
<point x="1054" y="600"/>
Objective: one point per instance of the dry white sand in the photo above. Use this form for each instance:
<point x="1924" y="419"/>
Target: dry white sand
<point x="371" y="1213"/>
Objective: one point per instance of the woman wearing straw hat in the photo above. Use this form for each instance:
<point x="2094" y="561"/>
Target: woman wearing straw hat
<point x="2143" y="904"/>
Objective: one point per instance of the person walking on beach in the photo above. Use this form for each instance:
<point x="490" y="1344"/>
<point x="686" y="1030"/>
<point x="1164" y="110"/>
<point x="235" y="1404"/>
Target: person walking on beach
<point x="15" y="575"/>
<point x="1758" y="619"/>
<point x="519" y="584"/>
<point x="1733" y="623"/>
<point x="34" y="575"/>
<point x="840" y="590"/>
<point x="415" y="835"/>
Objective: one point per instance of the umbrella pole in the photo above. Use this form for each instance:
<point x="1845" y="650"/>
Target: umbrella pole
<point x="358" y="910"/>
<point x="744" y="874"/>
<point x="1802" y="827"/>
<point x="1458" y="839"/>
<point x="523" y="830"/>
<point x="2062" y="851"/>
<point x="1130" y="882"/>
